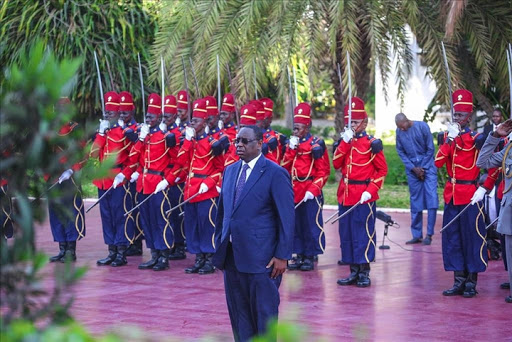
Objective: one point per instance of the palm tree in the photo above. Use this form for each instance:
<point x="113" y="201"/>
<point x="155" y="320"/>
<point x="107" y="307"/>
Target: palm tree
<point x="272" y="34"/>
<point x="116" y="30"/>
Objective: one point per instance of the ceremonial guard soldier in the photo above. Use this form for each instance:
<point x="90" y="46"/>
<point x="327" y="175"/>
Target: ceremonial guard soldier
<point x="153" y="151"/>
<point x="65" y="205"/>
<point x="227" y="114"/>
<point x="127" y="116"/>
<point x="307" y="162"/>
<point x="363" y="167"/>
<point x="464" y="244"/>
<point x="201" y="154"/>
<point x="503" y="158"/>
<point x="112" y="140"/>
<point x="183" y="109"/>
<point x="176" y="177"/>
<point x="278" y="146"/>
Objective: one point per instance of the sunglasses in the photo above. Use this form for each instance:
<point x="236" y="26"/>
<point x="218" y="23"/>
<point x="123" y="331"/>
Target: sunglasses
<point x="244" y="141"/>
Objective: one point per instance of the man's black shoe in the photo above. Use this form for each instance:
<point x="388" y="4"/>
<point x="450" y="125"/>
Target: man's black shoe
<point x="508" y="299"/>
<point x="458" y="285"/>
<point x="413" y="241"/>
<point x="112" y="253"/>
<point x="120" y="259"/>
<point x="505" y="286"/>
<point x="70" y="252"/>
<point x="178" y="253"/>
<point x="342" y="263"/>
<point x="151" y="262"/>
<point x="163" y="261"/>
<point x="296" y="262"/>
<point x="428" y="240"/>
<point x="62" y="251"/>
<point x="352" y="278"/>
<point x="135" y="249"/>
<point x="307" y="264"/>
<point x="208" y="265"/>
<point x="200" y="260"/>
<point x="363" y="278"/>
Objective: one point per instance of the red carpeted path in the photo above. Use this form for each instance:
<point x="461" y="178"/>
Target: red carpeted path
<point x="404" y="302"/>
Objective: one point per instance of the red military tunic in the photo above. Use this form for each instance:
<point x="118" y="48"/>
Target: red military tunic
<point x="154" y="154"/>
<point x="176" y="172"/>
<point x="275" y="146"/>
<point x="230" y="130"/>
<point x="202" y="157"/>
<point x="460" y="158"/>
<point x="113" y="143"/>
<point x="363" y="167"/>
<point x="308" y="165"/>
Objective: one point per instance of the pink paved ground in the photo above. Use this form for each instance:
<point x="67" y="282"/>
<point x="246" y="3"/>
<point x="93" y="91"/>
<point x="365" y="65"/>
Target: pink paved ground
<point x="404" y="302"/>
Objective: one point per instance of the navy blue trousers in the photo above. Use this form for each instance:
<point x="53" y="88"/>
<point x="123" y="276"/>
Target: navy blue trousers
<point x="118" y="230"/>
<point x="200" y="226"/>
<point x="464" y="244"/>
<point x="357" y="234"/>
<point x="66" y="212"/>
<point x="252" y="299"/>
<point x="6" y="213"/>
<point x="139" y="233"/>
<point x="417" y="223"/>
<point x="157" y="228"/>
<point x="309" y="238"/>
<point x="176" y="217"/>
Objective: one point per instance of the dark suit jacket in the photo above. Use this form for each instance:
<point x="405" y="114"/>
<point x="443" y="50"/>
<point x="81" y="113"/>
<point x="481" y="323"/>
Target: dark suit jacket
<point x="487" y="130"/>
<point x="261" y="223"/>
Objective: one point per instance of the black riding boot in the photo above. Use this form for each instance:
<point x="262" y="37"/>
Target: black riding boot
<point x="62" y="251"/>
<point x="458" y="284"/>
<point x="470" y="287"/>
<point x="200" y="260"/>
<point x="163" y="261"/>
<point x="151" y="262"/>
<point x="178" y="252"/>
<point x="363" y="278"/>
<point x="134" y="249"/>
<point x="296" y="262"/>
<point x="112" y="252"/>
<point x="70" y="252"/>
<point x="208" y="265"/>
<point x="352" y="277"/>
<point x="120" y="259"/>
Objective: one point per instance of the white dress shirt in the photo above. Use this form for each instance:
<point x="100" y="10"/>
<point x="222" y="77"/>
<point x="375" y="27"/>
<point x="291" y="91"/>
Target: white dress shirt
<point x="249" y="170"/>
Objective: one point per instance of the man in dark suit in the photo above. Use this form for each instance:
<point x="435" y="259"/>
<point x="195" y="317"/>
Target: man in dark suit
<point x="254" y="235"/>
<point x="495" y="121"/>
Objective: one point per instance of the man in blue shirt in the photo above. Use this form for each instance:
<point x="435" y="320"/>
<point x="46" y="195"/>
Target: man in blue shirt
<point x="415" y="147"/>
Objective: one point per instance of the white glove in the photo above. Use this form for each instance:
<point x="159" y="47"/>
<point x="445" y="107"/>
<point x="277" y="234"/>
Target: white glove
<point x="104" y="125"/>
<point x="189" y="133"/>
<point x="118" y="180"/>
<point x="65" y="175"/>
<point x="120" y="122"/>
<point x="220" y="124"/>
<point x="203" y="188"/>
<point x="308" y="196"/>
<point x="161" y="186"/>
<point x="218" y="189"/>
<point x="365" y="197"/>
<point x="509" y="136"/>
<point x="134" y="177"/>
<point x="347" y="135"/>
<point x="453" y="130"/>
<point x="144" y="131"/>
<point x="162" y="126"/>
<point x="294" y="142"/>
<point x="478" y="195"/>
<point x="178" y="121"/>
<point x="177" y="180"/>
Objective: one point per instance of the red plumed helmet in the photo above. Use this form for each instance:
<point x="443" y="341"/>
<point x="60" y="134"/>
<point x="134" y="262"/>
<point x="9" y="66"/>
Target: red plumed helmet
<point x="462" y="101"/>
<point x="111" y="101"/>
<point x="302" y="113"/>
<point x="154" y="104"/>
